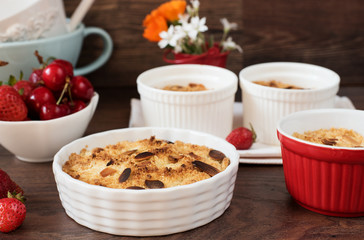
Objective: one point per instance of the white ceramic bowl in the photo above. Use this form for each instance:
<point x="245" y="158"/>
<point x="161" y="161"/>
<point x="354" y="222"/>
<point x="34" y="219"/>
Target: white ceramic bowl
<point x="208" y="111"/>
<point x="264" y="106"/>
<point x="324" y="179"/>
<point x="152" y="211"/>
<point x="38" y="141"/>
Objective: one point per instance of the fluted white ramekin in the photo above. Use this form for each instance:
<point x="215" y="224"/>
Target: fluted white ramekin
<point x="152" y="211"/>
<point x="208" y="111"/>
<point x="264" y="106"/>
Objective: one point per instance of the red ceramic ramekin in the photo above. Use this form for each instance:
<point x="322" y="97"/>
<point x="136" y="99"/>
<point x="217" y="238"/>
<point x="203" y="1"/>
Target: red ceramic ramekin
<point x="324" y="179"/>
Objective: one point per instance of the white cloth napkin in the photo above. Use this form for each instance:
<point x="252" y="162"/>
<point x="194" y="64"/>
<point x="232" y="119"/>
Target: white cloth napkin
<point x="136" y="120"/>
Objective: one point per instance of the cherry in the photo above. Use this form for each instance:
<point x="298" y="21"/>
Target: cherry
<point x="36" y="77"/>
<point x="38" y="97"/>
<point x="24" y="88"/>
<point x="51" y="111"/>
<point x="54" y="77"/>
<point x="67" y="66"/>
<point x="81" y="88"/>
<point x="77" y="105"/>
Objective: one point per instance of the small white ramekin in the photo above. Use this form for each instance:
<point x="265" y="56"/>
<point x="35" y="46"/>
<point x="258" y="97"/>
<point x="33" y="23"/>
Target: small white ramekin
<point x="264" y="106"/>
<point x="208" y="111"/>
<point x="146" y="212"/>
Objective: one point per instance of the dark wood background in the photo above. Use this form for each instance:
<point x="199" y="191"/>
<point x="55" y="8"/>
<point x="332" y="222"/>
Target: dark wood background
<point x="329" y="33"/>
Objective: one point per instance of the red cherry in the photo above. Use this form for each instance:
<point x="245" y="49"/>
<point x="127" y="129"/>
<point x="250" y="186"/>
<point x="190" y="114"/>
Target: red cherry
<point x="24" y="88"/>
<point x="36" y="77"/>
<point x="38" y="97"/>
<point x="66" y="65"/>
<point x="51" y="111"/>
<point x="81" y="88"/>
<point x="54" y="77"/>
<point x="77" y="105"/>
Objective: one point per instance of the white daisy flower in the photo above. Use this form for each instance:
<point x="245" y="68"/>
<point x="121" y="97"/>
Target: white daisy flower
<point x="229" y="44"/>
<point x="171" y="36"/>
<point x="196" y="26"/>
<point x="228" y="25"/>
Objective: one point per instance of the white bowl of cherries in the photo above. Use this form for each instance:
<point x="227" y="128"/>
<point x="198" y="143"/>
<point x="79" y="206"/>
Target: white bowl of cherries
<point x="40" y="115"/>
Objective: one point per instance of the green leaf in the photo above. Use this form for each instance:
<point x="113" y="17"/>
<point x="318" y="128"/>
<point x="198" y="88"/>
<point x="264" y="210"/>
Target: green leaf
<point x="12" y="80"/>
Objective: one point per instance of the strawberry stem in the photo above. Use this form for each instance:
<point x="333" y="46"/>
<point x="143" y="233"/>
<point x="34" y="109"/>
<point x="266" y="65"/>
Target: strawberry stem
<point x="18" y="196"/>
<point x="253" y="132"/>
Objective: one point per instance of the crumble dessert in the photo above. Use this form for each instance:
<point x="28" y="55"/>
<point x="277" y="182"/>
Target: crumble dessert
<point x="145" y="164"/>
<point x="191" y="87"/>
<point x="277" y="84"/>
<point x="339" y="137"/>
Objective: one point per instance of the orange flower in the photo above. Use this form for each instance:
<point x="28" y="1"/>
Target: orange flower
<point x="155" y="25"/>
<point x="157" y="20"/>
<point x="171" y="10"/>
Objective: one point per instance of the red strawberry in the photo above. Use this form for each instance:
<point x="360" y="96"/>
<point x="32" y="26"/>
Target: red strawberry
<point x="24" y="88"/>
<point x="12" y="106"/>
<point x="242" y="138"/>
<point x="8" y="185"/>
<point x="12" y="213"/>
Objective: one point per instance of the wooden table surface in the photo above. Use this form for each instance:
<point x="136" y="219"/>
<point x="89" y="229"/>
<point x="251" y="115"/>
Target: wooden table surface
<point x="261" y="207"/>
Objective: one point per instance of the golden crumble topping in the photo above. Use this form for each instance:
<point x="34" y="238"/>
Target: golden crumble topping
<point x="339" y="137"/>
<point x="277" y="84"/>
<point x="191" y="87"/>
<point x="147" y="163"/>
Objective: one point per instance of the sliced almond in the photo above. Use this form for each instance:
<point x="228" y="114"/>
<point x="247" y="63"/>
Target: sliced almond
<point x="124" y="175"/>
<point x="135" y="188"/>
<point x="107" y="172"/>
<point x="194" y="156"/>
<point x="217" y="155"/>
<point x="174" y="159"/>
<point x="111" y="162"/>
<point x="210" y="170"/>
<point x="144" y="156"/>
<point x="130" y="152"/>
<point x="154" y="184"/>
<point x="329" y="141"/>
<point x="97" y="150"/>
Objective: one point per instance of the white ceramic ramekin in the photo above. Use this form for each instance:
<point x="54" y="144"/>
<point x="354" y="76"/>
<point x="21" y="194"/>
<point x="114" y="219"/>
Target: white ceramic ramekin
<point x="146" y="212"/>
<point x="208" y="111"/>
<point x="264" y="106"/>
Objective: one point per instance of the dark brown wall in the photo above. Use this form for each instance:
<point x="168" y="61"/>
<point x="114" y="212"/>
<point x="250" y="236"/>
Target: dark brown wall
<point x="329" y="33"/>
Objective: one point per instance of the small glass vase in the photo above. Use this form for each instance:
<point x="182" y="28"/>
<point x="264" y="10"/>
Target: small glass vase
<point x="213" y="57"/>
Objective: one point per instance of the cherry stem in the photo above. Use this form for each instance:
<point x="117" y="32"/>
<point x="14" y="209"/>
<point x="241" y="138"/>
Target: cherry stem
<point x="63" y="90"/>
<point x="70" y="95"/>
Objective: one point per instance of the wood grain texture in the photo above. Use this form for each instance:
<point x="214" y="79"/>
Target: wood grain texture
<point x="133" y="54"/>
<point x="328" y="33"/>
<point x="261" y="207"/>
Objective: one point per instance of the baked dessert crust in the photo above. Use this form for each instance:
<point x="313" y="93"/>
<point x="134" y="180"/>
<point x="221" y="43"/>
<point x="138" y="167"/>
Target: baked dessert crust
<point x="277" y="84"/>
<point x="147" y="163"/>
<point x="191" y="87"/>
<point x="339" y="137"/>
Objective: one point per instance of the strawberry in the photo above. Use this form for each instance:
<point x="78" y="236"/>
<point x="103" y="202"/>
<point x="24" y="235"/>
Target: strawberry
<point x="8" y="185"/>
<point x="242" y="138"/>
<point x="12" y="106"/>
<point x="12" y="213"/>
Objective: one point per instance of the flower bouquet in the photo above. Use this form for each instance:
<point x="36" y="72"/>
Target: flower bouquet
<point x="178" y="28"/>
